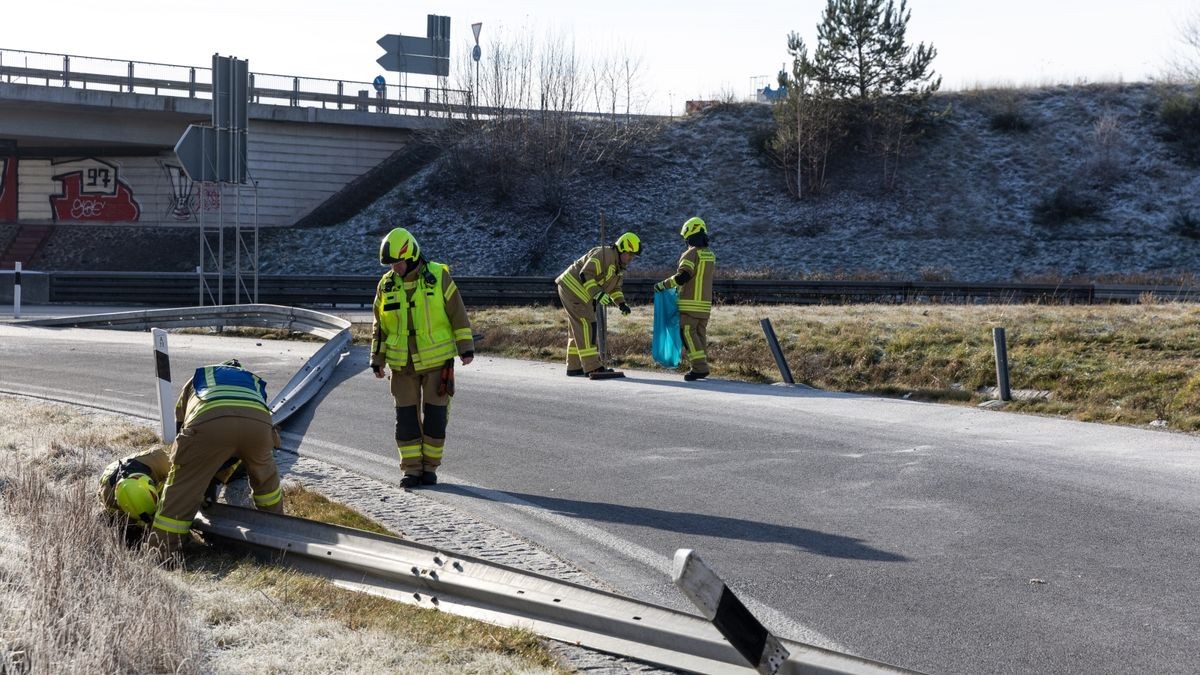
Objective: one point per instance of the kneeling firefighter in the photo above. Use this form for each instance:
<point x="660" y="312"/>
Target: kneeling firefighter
<point x="222" y="413"/>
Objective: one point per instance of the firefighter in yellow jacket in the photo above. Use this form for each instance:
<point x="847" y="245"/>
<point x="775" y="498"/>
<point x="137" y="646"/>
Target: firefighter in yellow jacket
<point x="420" y="325"/>
<point x="222" y="413"/>
<point x="694" y="279"/>
<point x="130" y="486"/>
<point x="593" y="279"/>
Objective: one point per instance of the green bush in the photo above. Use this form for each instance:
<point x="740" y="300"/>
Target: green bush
<point x="1065" y="204"/>
<point x="1180" y="116"/>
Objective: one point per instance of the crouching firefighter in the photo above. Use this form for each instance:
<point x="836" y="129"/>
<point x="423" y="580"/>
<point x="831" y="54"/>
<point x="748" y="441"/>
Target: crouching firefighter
<point x="130" y="486"/>
<point x="222" y="413"/>
<point x="420" y="325"/>
<point x="593" y="279"/>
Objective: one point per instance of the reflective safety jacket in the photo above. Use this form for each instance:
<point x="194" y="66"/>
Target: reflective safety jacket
<point x="694" y="278"/>
<point x="598" y="271"/>
<point x="419" y="317"/>
<point x="220" y="390"/>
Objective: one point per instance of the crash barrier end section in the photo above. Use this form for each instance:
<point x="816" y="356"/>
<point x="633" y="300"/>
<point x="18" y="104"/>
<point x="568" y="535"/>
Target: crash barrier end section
<point x="300" y="389"/>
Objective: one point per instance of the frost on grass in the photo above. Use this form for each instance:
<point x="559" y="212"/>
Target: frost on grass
<point x="75" y="598"/>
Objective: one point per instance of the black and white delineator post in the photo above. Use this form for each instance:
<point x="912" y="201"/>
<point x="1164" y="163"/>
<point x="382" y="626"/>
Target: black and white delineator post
<point x="719" y="605"/>
<point x="17" y="292"/>
<point x="162" y="370"/>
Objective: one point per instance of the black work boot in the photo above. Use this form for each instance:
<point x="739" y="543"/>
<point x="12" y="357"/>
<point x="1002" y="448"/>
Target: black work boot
<point x="692" y="376"/>
<point x="429" y="478"/>
<point x="410" y="481"/>
<point x="575" y="372"/>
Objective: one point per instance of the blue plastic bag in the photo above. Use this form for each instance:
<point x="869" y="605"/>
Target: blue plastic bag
<point x="666" y="344"/>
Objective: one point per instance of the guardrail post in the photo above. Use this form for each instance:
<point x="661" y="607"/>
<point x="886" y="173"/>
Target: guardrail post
<point x="427" y="102"/>
<point x="339" y="94"/>
<point x="192" y="82"/>
<point x="295" y="91"/>
<point x="762" y="650"/>
<point x="17" y="292"/>
<point x="773" y="343"/>
<point x="130" y="85"/>
<point x="1001" y="348"/>
<point x="162" y="371"/>
<point x="66" y="71"/>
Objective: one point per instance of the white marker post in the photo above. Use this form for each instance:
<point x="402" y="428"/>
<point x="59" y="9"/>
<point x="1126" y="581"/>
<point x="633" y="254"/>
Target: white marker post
<point x="17" y="292"/>
<point x="162" y="369"/>
<point x="719" y="605"/>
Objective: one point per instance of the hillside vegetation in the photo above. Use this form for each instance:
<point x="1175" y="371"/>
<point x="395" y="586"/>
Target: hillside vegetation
<point x="1010" y="184"/>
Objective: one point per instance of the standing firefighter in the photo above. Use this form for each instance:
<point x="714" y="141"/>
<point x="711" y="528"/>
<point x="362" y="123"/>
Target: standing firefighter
<point x="694" y="280"/>
<point x="594" y="278"/>
<point x="223" y="414"/>
<point x="420" y="325"/>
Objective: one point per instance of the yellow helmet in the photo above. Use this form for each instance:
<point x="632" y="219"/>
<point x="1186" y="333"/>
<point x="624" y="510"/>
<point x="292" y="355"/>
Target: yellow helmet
<point x="629" y="243"/>
<point x="398" y="245"/>
<point x="137" y="496"/>
<point x="692" y="226"/>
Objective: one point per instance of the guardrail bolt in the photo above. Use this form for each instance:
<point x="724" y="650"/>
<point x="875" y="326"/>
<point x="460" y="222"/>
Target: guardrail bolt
<point x="416" y="571"/>
<point x="438" y="561"/>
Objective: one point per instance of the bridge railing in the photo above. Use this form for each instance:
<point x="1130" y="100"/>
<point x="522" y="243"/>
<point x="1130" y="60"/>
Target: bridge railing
<point x="163" y="79"/>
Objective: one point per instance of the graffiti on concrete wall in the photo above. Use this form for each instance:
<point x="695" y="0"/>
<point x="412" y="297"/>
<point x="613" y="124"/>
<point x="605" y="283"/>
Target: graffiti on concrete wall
<point x="92" y="190"/>
<point x="183" y="200"/>
<point x="8" y="189"/>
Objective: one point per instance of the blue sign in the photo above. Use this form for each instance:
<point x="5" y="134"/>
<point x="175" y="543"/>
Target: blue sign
<point x="380" y="84"/>
<point x="476" y="53"/>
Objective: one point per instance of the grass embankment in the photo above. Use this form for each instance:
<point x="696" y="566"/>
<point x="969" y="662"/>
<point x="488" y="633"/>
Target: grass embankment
<point x="1126" y="364"/>
<point x="75" y="598"/>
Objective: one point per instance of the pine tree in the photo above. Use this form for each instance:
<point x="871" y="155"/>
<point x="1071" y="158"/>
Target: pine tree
<point x="862" y="52"/>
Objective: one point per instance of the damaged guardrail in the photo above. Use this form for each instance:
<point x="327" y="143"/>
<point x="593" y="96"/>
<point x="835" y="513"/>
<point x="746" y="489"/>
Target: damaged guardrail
<point x="438" y="579"/>
<point x="301" y="388"/>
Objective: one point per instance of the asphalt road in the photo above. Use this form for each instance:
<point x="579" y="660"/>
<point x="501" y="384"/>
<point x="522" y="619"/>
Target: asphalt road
<point x="940" y="538"/>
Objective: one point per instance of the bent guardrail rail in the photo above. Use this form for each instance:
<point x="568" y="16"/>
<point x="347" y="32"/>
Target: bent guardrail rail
<point x="301" y="388"/>
<point x="435" y="578"/>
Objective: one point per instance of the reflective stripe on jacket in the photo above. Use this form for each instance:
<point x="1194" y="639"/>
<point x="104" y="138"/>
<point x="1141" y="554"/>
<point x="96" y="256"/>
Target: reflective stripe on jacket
<point x="695" y="295"/>
<point x="423" y="305"/>
<point x="225" y="386"/>
<point x="598" y="271"/>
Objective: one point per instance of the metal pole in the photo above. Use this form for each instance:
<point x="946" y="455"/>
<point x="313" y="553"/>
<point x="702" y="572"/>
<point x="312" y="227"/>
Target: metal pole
<point x="773" y="343"/>
<point x="1001" y="349"/>
<point x="17" y="292"/>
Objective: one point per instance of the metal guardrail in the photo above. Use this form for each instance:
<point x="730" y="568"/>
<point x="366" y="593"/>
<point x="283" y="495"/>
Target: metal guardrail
<point x="437" y="579"/>
<point x="329" y="290"/>
<point x="302" y="387"/>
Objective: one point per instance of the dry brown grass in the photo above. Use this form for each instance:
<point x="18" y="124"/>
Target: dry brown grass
<point x="75" y="598"/>
<point x="1128" y="364"/>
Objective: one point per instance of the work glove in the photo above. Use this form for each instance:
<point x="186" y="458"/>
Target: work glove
<point x="660" y="286"/>
<point x="604" y="299"/>
<point x="624" y="309"/>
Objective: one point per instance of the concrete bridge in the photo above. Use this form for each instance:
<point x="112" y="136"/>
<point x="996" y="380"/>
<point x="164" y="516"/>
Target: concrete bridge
<point x="89" y="142"/>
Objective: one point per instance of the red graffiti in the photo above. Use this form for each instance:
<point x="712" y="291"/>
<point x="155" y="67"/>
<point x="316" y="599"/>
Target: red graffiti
<point x="8" y="189"/>
<point x="75" y="204"/>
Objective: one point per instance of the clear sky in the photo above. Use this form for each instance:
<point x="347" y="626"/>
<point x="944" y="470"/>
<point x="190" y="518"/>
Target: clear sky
<point x="692" y="49"/>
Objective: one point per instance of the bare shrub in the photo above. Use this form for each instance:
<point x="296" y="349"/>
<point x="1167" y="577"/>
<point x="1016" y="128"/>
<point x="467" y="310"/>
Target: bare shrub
<point x="1110" y="151"/>
<point x="1180" y="117"/>
<point x="1008" y="115"/>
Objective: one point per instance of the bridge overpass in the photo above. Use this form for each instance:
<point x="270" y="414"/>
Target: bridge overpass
<point x="89" y="142"/>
